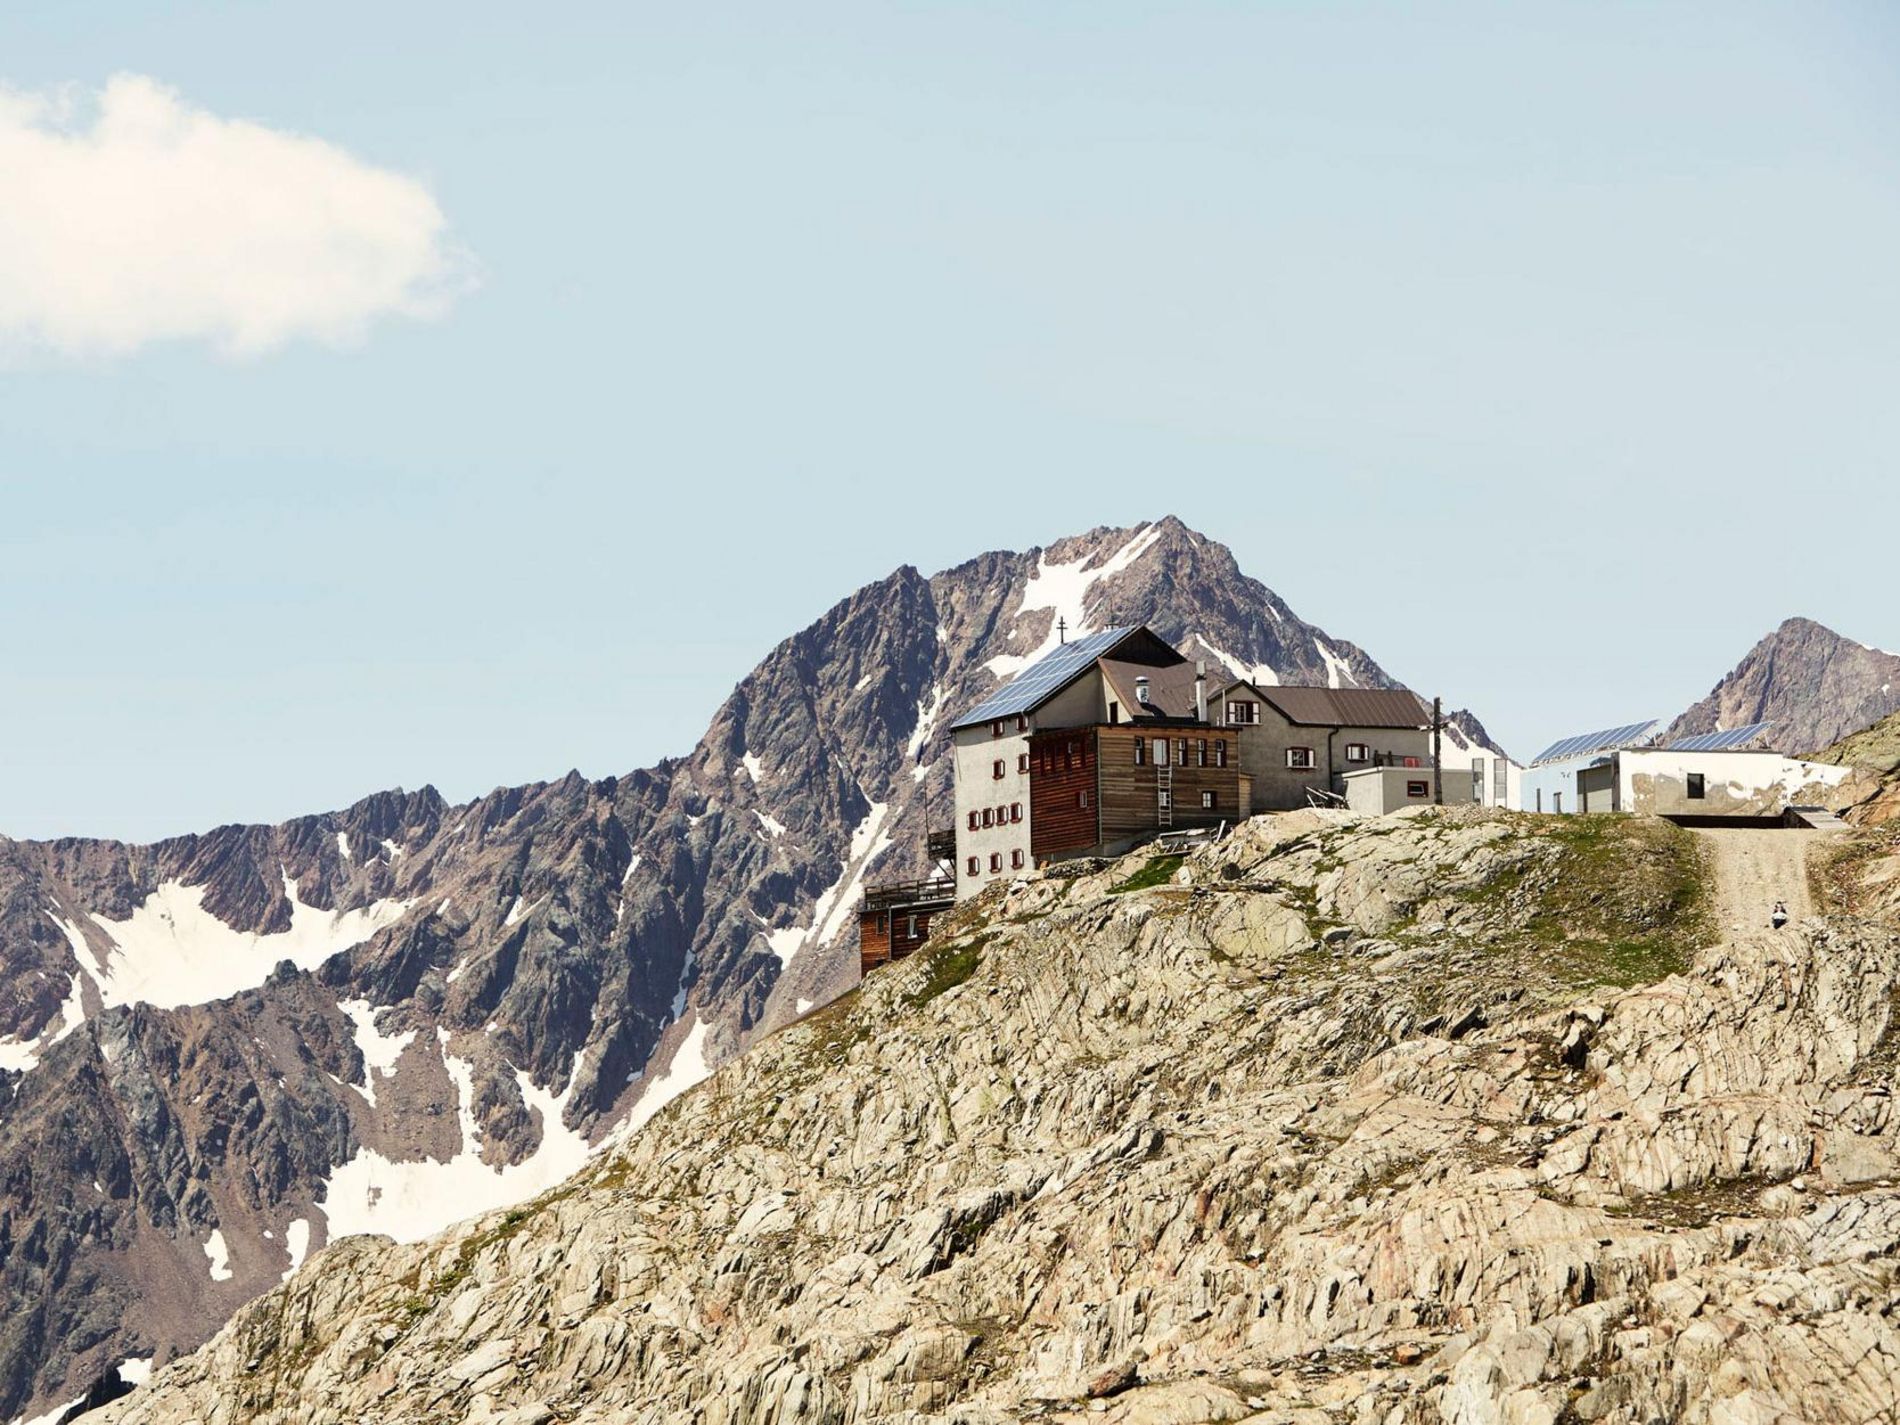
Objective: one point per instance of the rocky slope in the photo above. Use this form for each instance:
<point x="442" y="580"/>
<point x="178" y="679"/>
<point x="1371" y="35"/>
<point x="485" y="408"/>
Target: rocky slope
<point x="219" y="1052"/>
<point x="1812" y="684"/>
<point x="1873" y="798"/>
<point x="1447" y="1117"/>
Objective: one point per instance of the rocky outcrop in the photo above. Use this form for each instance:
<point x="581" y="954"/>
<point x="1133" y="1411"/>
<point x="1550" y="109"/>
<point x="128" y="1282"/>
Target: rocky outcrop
<point x="1443" y="1117"/>
<point x="472" y="991"/>
<point x="1808" y="682"/>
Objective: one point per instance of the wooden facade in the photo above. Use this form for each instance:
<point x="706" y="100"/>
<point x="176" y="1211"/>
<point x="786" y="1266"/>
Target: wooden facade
<point x="895" y="919"/>
<point x="1064" y="800"/>
<point x="1101" y="789"/>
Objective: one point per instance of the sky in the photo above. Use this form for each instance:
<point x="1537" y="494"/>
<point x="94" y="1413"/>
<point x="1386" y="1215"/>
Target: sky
<point x="462" y="393"/>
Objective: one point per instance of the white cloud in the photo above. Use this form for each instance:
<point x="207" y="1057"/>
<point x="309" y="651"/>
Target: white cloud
<point x="131" y="217"/>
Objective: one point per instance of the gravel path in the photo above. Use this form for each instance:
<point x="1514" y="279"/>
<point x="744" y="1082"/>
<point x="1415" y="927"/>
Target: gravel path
<point x="1754" y="868"/>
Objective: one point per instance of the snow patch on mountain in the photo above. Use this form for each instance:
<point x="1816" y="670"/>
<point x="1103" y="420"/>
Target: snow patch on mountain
<point x="1338" y="675"/>
<point x="688" y="1067"/>
<point x="771" y="823"/>
<point x="929" y="711"/>
<point x="297" y="1241"/>
<point x="380" y="1051"/>
<point x="1261" y="673"/>
<point x="833" y="909"/>
<point x="220" y="1256"/>
<point x="172" y="952"/>
<point x="755" y="769"/>
<point x="410" y="1200"/>
<point x="1063" y="589"/>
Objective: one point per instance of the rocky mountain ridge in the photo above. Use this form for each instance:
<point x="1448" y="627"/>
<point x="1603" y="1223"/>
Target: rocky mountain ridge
<point x="1811" y="684"/>
<point x="220" y="1051"/>
<point x="1452" y="1117"/>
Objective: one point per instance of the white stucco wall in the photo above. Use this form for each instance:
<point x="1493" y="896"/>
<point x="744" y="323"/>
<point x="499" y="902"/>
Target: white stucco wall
<point x="975" y="751"/>
<point x="1654" y="782"/>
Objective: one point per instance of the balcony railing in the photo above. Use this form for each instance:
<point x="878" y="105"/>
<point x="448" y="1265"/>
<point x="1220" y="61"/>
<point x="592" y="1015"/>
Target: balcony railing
<point x="901" y="895"/>
<point x="941" y="845"/>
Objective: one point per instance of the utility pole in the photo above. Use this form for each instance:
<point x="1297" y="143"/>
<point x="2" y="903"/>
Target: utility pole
<point x="1062" y="630"/>
<point x="1438" y="762"/>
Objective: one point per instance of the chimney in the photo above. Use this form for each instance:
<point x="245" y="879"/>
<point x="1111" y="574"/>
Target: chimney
<point x="1200" y="691"/>
<point x="1141" y="690"/>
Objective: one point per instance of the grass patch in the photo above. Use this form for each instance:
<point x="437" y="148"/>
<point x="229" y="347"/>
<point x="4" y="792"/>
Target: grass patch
<point x="1158" y="872"/>
<point x="947" y="967"/>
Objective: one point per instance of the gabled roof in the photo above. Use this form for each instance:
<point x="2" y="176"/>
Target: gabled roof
<point x="1341" y="707"/>
<point x="1061" y="666"/>
<point x="1587" y="743"/>
<point x="1170" y="690"/>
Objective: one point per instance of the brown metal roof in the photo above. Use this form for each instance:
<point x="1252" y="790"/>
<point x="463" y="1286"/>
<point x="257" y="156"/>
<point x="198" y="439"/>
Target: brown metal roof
<point x="1170" y="690"/>
<point x="1346" y="707"/>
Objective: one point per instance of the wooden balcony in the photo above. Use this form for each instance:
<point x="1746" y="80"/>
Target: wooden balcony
<point x="941" y="845"/>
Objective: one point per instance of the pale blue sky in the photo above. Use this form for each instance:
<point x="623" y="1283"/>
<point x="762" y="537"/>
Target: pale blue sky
<point x="1591" y="312"/>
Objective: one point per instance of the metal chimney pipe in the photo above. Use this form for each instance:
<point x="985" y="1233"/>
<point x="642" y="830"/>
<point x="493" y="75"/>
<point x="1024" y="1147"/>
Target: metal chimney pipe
<point x="1200" y="691"/>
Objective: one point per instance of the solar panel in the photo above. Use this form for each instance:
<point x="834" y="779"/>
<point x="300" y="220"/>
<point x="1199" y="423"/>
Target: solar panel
<point x="1042" y="677"/>
<point x="1720" y="740"/>
<point x="1586" y="743"/>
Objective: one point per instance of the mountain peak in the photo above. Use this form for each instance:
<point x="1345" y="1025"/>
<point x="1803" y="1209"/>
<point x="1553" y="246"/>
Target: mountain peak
<point x="1810" y="683"/>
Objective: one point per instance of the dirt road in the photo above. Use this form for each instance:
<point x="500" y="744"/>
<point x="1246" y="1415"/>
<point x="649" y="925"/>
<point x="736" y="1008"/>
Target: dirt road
<point x="1754" y="868"/>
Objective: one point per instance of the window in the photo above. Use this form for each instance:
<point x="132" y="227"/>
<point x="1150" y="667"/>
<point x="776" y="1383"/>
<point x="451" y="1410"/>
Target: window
<point x="1164" y="798"/>
<point x="1557" y="802"/>
<point x="1358" y="752"/>
<point x="1022" y="722"/>
<point x="996" y="728"/>
<point x="1016" y="859"/>
<point x="1114" y="712"/>
<point x="989" y="816"/>
<point x="1181" y="749"/>
<point x="1698" y="787"/>
<point x="974" y="866"/>
<point x="996" y="769"/>
<point x="1418" y="789"/>
<point x="1207" y="801"/>
<point x="1200" y="752"/>
<point x="1220" y="753"/>
<point x="1300" y="758"/>
<point x="910" y="929"/>
<point x="1022" y="762"/>
<point x="1141" y="751"/>
<point x="996" y="860"/>
<point x="1161" y="751"/>
<point x="973" y="821"/>
<point x="1243" y="714"/>
<point x="1015" y="811"/>
<point x="1081" y="801"/>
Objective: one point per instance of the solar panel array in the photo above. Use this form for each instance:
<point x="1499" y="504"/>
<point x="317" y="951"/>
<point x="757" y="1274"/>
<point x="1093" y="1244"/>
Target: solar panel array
<point x="1590" y="742"/>
<point x="1720" y="740"/>
<point x="1042" y="677"/>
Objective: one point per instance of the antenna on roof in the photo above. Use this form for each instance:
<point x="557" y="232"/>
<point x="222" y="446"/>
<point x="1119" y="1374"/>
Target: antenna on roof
<point x="1062" y="630"/>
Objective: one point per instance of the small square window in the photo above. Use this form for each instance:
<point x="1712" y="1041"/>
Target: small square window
<point x="1418" y="789"/>
<point x="973" y="821"/>
<point x="1022" y="762"/>
<point x="1207" y="801"/>
<point x="1220" y="753"/>
<point x="996" y="729"/>
<point x="996" y="769"/>
<point x="975" y="867"/>
<point x="1299" y="758"/>
<point x="1141" y="751"/>
<point x="1358" y="752"/>
<point x="1015" y="811"/>
<point x="1016" y="860"/>
<point x="1698" y="787"/>
<point x="1022" y="723"/>
<point x="989" y="816"/>
<point x="996" y="860"/>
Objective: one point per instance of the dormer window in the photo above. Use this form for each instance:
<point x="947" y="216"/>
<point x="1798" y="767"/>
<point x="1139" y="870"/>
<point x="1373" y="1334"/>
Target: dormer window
<point x="1243" y="713"/>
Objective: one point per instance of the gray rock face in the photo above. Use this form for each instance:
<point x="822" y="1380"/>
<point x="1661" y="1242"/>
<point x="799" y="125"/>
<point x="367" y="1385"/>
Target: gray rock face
<point x="1812" y="684"/>
<point x="548" y="960"/>
<point x="1335" y="1124"/>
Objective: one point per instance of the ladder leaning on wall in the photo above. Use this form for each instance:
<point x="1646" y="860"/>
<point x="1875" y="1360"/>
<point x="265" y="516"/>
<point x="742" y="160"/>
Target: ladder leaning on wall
<point x="1164" y="794"/>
